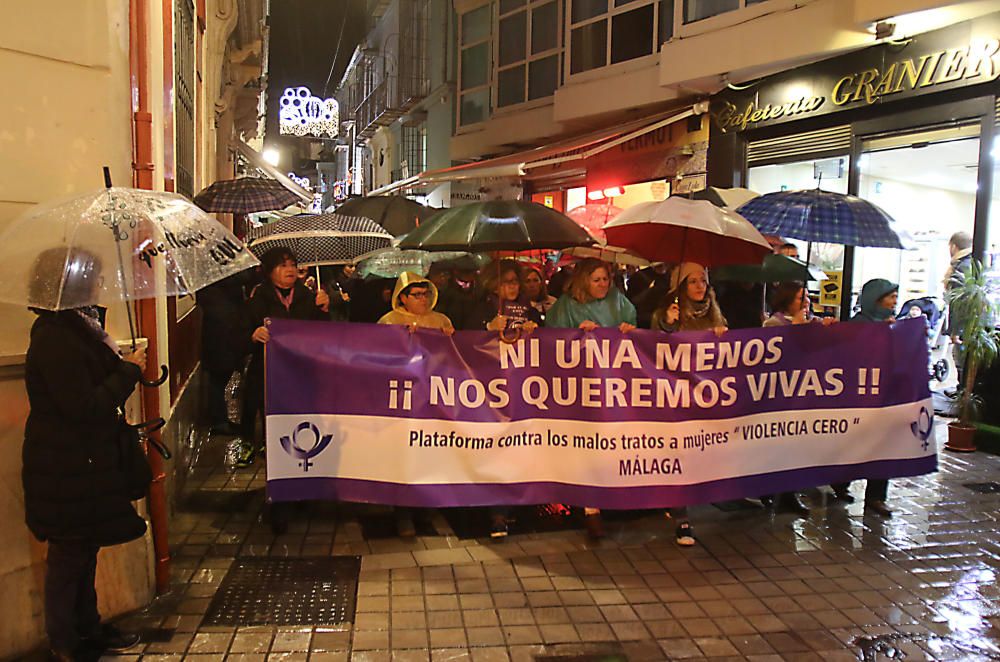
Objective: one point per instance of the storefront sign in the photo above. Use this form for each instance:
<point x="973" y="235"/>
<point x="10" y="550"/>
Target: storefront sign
<point x="962" y="55"/>
<point x="481" y="189"/>
<point x="669" y="152"/>
<point x="830" y="289"/>
<point x="606" y="419"/>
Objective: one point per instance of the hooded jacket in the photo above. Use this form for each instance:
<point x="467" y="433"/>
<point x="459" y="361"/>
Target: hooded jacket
<point x="399" y="315"/>
<point x="872" y="291"/>
<point x="612" y="310"/>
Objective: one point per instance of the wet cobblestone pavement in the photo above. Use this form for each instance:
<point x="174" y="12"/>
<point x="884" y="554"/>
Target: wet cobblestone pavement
<point x="838" y="585"/>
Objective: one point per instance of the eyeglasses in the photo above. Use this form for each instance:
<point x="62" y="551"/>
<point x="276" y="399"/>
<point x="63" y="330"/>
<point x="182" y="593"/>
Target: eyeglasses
<point x="421" y="294"/>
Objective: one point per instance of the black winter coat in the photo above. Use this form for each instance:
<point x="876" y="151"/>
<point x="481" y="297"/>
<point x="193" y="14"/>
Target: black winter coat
<point x="74" y="487"/>
<point x="264" y="303"/>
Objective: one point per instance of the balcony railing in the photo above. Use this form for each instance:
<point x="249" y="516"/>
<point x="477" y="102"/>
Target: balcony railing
<point x="408" y="83"/>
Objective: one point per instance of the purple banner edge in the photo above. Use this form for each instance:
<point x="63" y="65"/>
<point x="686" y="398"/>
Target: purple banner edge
<point x="614" y="498"/>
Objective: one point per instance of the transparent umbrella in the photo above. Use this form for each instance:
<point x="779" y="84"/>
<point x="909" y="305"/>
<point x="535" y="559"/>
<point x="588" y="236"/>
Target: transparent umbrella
<point x="392" y="262"/>
<point x="114" y="245"/>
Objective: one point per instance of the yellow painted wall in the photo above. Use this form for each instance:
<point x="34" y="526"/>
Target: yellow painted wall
<point x="65" y="114"/>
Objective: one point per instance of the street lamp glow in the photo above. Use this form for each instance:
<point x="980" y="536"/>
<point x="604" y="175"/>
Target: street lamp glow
<point x="272" y="156"/>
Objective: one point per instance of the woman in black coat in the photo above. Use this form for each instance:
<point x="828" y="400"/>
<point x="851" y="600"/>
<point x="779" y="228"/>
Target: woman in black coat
<point x="76" y="496"/>
<point x="280" y="295"/>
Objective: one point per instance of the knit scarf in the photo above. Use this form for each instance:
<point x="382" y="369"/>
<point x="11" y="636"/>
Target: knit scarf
<point x="92" y="318"/>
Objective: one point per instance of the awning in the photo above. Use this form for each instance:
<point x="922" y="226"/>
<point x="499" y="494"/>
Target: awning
<point x="521" y="164"/>
<point x="257" y="159"/>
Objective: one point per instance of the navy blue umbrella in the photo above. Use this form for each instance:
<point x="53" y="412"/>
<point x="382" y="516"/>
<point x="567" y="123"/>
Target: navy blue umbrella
<point x="822" y="216"/>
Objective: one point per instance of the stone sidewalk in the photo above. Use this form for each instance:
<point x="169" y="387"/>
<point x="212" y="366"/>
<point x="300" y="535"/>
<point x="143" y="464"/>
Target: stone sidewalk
<point x="838" y="585"/>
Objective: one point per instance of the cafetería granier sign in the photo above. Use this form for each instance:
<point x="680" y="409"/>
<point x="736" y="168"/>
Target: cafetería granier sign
<point x="962" y="55"/>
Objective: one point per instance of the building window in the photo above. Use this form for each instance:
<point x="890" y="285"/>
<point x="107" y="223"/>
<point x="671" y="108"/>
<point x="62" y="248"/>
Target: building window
<point x="528" y="50"/>
<point x="184" y="93"/>
<point x="696" y="10"/>
<point x="604" y="32"/>
<point x="414" y="152"/>
<point x="474" y="66"/>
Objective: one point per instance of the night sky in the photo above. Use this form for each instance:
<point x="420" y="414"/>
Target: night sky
<point x="303" y="41"/>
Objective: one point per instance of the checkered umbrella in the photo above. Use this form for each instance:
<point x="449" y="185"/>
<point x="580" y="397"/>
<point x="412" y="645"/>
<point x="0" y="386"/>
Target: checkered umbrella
<point x="321" y="239"/>
<point x="822" y="216"/>
<point x="245" y="195"/>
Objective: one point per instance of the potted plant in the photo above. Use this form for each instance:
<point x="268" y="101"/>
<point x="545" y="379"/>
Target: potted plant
<point x="975" y="312"/>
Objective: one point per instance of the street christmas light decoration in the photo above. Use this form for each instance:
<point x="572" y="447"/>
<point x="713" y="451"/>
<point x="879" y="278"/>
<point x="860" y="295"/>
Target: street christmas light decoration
<point x="302" y="114"/>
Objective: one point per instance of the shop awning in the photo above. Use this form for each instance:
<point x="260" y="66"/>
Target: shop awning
<point x="521" y="164"/>
<point x="258" y="161"/>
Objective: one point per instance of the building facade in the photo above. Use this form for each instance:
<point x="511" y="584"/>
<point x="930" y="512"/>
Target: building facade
<point x="908" y="124"/>
<point x="160" y="93"/>
<point x="566" y="91"/>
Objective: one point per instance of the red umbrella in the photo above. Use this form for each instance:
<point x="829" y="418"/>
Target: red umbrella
<point x="681" y="230"/>
<point x="593" y="216"/>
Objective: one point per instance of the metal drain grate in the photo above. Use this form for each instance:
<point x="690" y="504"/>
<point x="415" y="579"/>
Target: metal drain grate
<point x="286" y="591"/>
<point x="983" y="488"/>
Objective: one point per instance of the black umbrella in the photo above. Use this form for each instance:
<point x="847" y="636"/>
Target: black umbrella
<point x="395" y="213"/>
<point x="497" y="225"/>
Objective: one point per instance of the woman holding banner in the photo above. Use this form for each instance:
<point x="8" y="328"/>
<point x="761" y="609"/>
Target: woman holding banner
<point x="878" y="304"/>
<point x="280" y="295"/>
<point x="790" y="305"/>
<point x="413" y="302"/>
<point x="592" y="302"/>
<point x="502" y="307"/>
<point x="690" y="306"/>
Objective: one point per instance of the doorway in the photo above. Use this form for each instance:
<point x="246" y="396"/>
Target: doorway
<point x="927" y="181"/>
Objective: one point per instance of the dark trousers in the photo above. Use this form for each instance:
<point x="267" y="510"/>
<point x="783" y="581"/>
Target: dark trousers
<point x="875" y="490"/>
<point x="253" y="405"/>
<point x="70" y="595"/>
<point x="253" y="402"/>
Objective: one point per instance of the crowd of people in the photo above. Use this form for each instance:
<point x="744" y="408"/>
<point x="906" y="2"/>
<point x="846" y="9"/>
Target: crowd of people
<point x="510" y="297"/>
<point x="78" y="497"/>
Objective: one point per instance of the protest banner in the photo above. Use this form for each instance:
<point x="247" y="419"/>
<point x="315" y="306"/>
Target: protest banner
<point x="605" y="419"/>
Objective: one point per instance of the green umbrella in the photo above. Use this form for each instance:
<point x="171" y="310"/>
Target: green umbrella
<point x="497" y="225"/>
<point x="774" y="269"/>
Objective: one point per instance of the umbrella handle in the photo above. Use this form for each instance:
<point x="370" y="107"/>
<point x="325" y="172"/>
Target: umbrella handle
<point x="152" y="425"/>
<point x="164" y="372"/>
<point x="147" y="427"/>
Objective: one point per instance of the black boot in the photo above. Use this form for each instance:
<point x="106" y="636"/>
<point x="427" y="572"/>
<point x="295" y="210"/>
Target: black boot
<point x="111" y="639"/>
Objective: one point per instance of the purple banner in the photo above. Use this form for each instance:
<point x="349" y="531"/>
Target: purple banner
<point x="376" y="413"/>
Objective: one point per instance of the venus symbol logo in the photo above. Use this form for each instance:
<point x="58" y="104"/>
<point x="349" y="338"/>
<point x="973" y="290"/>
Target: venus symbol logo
<point x="304" y="448"/>
<point x="922" y="427"/>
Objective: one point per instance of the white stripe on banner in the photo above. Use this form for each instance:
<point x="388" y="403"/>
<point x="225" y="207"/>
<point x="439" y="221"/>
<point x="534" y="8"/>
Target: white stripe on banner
<point x="601" y="455"/>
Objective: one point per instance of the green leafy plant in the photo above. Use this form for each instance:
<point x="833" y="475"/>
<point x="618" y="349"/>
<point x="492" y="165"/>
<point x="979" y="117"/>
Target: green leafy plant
<point x="974" y="310"/>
